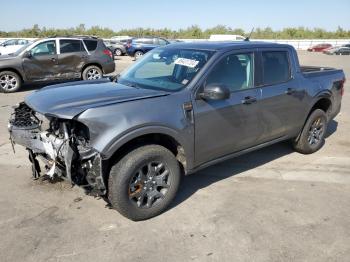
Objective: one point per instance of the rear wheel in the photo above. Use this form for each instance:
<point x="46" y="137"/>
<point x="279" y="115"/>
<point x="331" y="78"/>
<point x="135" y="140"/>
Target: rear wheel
<point x="10" y="82"/>
<point x="92" y="73"/>
<point x="312" y="136"/>
<point x="144" y="182"/>
<point x="118" y="52"/>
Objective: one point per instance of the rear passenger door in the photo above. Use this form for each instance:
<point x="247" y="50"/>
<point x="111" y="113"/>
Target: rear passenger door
<point x="282" y="99"/>
<point x="71" y="58"/>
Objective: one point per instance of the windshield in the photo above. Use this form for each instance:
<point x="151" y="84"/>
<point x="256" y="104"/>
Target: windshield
<point x="168" y="69"/>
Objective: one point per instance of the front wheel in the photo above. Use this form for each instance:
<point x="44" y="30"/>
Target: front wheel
<point x="312" y="136"/>
<point x="144" y="182"/>
<point x="92" y="73"/>
<point x="9" y="82"/>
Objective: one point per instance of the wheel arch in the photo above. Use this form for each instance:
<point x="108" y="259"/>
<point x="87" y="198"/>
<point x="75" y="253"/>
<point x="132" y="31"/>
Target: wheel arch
<point x="323" y="102"/>
<point x="163" y="137"/>
<point x="91" y="64"/>
<point x="15" y="71"/>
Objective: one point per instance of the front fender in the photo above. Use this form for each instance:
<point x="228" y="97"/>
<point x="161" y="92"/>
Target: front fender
<point x="119" y="141"/>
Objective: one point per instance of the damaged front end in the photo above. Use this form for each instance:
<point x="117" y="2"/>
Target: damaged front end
<point x="62" y="145"/>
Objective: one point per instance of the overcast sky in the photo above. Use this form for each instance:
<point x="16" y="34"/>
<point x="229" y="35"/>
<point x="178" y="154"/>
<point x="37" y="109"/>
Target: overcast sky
<point x="174" y="14"/>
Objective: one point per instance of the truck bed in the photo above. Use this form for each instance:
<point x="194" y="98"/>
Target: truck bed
<point x="316" y="70"/>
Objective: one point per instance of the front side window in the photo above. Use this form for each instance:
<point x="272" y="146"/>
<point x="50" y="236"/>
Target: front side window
<point x="70" y="46"/>
<point x="275" y="67"/>
<point x="45" y="48"/>
<point x="234" y="71"/>
<point x="165" y="69"/>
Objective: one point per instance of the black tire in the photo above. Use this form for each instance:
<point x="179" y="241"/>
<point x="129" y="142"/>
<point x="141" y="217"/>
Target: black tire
<point x="118" y="52"/>
<point x="9" y="82"/>
<point x="127" y="172"/>
<point x="92" y="73"/>
<point x="307" y="143"/>
<point x="138" y="54"/>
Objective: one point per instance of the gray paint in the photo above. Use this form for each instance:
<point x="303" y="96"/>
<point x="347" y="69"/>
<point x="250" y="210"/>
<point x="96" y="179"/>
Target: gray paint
<point x="215" y="130"/>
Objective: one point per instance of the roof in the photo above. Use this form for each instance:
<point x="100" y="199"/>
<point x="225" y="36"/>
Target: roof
<point x="215" y="46"/>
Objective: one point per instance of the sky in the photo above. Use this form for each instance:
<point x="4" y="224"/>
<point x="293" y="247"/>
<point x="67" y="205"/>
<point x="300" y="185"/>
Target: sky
<point x="174" y="14"/>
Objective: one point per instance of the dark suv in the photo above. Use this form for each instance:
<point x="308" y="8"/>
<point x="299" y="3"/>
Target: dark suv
<point x="51" y="59"/>
<point x="137" y="47"/>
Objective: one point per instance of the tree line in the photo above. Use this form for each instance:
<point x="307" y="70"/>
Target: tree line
<point x="192" y="32"/>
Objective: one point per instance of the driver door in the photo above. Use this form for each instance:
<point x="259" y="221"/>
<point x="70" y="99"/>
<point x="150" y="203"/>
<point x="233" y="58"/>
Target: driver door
<point x="226" y="126"/>
<point x="42" y="63"/>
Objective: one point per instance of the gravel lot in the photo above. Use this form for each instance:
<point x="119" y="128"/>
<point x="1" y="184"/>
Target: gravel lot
<point x="269" y="205"/>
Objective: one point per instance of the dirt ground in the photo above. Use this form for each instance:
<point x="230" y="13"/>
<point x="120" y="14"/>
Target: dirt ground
<point x="269" y="205"/>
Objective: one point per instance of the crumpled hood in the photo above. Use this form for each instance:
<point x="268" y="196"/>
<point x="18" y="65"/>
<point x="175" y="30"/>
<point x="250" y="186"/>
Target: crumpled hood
<point x="70" y="99"/>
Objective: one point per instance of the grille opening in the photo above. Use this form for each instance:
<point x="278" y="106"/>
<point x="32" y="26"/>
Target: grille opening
<point x="24" y="117"/>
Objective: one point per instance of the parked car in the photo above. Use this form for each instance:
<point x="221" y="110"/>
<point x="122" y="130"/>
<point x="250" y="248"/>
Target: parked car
<point x="341" y="50"/>
<point x="121" y="38"/>
<point x="116" y="48"/>
<point x="52" y="59"/>
<point x="181" y="108"/>
<point x="319" y="47"/>
<point x="137" y="47"/>
<point x="12" y="45"/>
<point x="224" y="37"/>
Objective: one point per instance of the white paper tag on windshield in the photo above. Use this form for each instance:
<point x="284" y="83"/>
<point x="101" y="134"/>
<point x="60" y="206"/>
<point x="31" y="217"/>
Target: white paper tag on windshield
<point x="186" y="62"/>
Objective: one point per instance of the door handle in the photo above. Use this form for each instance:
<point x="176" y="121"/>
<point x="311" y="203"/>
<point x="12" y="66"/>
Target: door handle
<point x="249" y="100"/>
<point x="290" y="91"/>
<point x="53" y="59"/>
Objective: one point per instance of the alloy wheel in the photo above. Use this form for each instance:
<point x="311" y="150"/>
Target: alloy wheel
<point x="316" y="131"/>
<point x="8" y="82"/>
<point x="149" y="185"/>
<point x="93" y="74"/>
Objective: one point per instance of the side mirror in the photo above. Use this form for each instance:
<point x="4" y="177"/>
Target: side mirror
<point x="215" y="92"/>
<point x="27" y="54"/>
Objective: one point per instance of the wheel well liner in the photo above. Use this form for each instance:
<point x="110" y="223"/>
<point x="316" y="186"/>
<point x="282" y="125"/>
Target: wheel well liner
<point x="324" y="104"/>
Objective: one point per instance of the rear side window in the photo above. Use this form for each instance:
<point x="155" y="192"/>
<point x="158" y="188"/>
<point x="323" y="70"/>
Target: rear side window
<point x="275" y="67"/>
<point x="70" y="46"/>
<point x="91" y="45"/>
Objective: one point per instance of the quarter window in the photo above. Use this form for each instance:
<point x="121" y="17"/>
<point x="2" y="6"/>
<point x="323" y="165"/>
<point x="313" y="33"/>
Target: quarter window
<point x="233" y="71"/>
<point x="275" y="67"/>
<point x="70" y="46"/>
<point x="91" y="45"/>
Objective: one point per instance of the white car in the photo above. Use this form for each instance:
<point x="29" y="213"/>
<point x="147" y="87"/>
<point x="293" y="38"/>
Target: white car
<point x="12" y="45"/>
<point x="226" y="38"/>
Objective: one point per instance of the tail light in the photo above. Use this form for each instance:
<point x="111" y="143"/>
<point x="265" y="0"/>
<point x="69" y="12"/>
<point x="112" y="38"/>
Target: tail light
<point x="108" y="52"/>
<point x="342" y="83"/>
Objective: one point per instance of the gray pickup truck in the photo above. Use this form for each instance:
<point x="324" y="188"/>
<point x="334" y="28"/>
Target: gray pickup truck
<point x="179" y="109"/>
